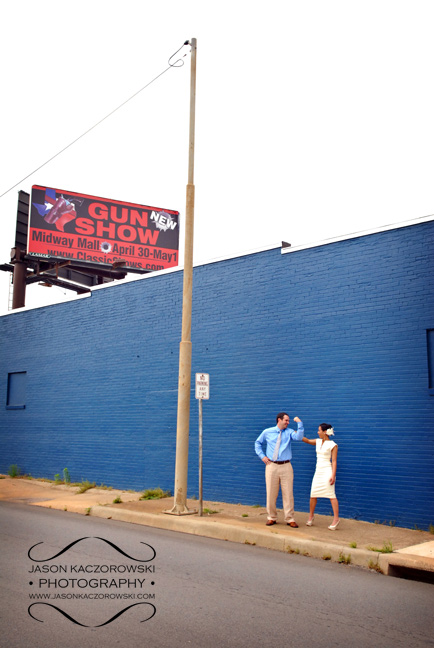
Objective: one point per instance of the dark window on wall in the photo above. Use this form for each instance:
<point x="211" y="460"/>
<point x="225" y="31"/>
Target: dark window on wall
<point x="16" y="397"/>
<point x="430" y="344"/>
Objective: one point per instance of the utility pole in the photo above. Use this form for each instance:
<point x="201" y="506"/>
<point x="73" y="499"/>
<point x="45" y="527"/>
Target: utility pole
<point x="184" y="378"/>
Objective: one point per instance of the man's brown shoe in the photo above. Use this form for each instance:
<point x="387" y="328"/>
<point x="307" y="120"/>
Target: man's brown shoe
<point x="270" y="522"/>
<point x="294" y="525"/>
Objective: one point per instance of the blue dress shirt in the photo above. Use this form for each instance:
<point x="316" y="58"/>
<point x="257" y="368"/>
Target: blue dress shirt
<point x="270" y="436"/>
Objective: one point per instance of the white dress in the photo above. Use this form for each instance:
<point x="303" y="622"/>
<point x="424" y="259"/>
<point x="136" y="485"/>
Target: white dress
<point x="321" y="486"/>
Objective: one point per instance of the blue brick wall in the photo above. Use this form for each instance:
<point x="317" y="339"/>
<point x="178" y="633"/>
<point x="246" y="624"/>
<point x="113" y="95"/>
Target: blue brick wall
<point x="335" y="334"/>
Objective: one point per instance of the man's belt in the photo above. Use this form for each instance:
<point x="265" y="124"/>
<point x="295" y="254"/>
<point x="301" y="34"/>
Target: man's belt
<point x="282" y="462"/>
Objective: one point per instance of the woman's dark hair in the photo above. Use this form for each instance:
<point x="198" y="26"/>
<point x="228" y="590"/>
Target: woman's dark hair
<point x="325" y="426"/>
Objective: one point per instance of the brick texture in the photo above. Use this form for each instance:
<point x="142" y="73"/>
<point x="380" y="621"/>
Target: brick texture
<point x="333" y="334"/>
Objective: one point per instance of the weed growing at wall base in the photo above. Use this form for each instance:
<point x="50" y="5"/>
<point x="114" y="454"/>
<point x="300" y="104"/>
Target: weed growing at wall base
<point x="155" y="493"/>
<point x="66" y="478"/>
<point x="14" y="471"/>
<point x="85" y="486"/>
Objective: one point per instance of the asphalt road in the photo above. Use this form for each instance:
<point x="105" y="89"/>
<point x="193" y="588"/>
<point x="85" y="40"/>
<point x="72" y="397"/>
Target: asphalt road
<point x="204" y="592"/>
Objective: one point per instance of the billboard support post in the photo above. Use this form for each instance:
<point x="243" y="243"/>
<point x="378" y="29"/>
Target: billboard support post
<point x="184" y="378"/>
<point x="20" y="275"/>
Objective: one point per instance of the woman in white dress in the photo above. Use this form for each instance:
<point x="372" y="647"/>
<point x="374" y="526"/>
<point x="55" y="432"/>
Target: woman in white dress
<point x="323" y="483"/>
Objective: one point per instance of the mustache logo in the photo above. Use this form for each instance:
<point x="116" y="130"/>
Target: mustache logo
<point x="83" y="625"/>
<point x="112" y="544"/>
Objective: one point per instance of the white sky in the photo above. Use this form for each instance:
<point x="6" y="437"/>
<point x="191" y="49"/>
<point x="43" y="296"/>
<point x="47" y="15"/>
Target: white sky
<point x="314" y="118"/>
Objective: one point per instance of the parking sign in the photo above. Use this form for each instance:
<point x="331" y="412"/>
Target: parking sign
<point x="202" y="386"/>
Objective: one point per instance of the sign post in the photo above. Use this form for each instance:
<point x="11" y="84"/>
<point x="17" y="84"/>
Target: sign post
<point x="202" y="392"/>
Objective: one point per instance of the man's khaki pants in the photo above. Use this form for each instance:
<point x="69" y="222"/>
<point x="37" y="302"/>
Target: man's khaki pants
<point x="279" y="475"/>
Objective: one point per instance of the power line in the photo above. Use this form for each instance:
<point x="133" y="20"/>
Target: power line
<point x="178" y="63"/>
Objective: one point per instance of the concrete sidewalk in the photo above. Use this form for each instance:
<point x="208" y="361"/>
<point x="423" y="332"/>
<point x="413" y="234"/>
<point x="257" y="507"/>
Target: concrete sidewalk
<point x="354" y="542"/>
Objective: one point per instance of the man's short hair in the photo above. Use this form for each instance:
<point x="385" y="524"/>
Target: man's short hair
<point x="281" y="415"/>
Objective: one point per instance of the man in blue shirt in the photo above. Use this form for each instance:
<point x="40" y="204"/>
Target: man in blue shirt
<point x="278" y="468"/>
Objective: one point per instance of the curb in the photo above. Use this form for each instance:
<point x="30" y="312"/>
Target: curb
<point x="414" y="560"/>
<point x="268" y="539"/>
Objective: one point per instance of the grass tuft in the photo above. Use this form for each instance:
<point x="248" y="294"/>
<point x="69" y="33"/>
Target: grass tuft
<point x="85" y="486"/>
<point x="155" y="493"/>
<point x="346" y="560"/>
<point x="14" y="471"/>
<point x="375" y="566"/>
<point x="386" y="548"/>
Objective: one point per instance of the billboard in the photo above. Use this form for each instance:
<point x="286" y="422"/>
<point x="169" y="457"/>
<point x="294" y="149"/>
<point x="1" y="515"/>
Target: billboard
<point x="70" y="225"/>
